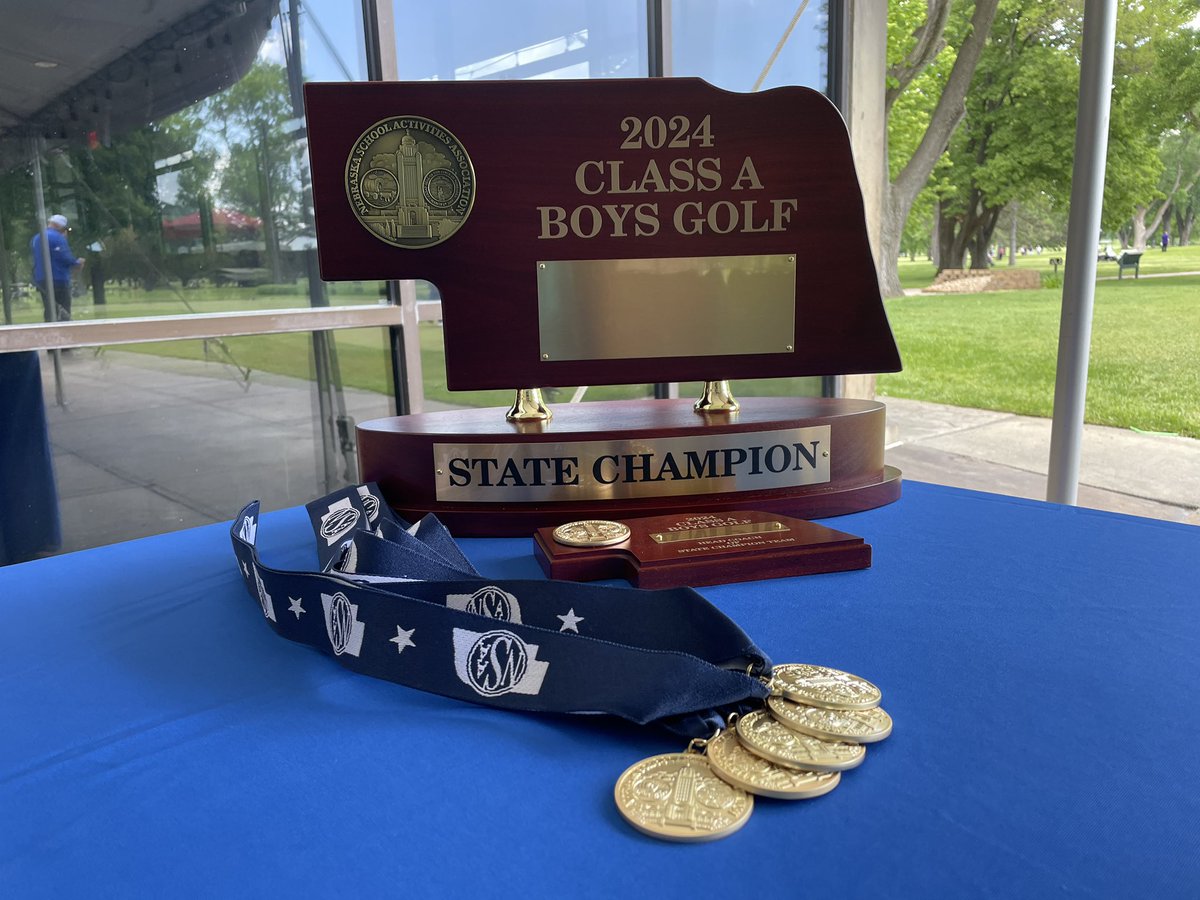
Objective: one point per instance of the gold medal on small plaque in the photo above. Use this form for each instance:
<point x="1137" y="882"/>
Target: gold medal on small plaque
<point x="763" y="735"/>
<point x="591" y="533"/>
<point x="858" y="726"/>
<point x="741" y="768"/>
<point x="676" y="797"/>
<point x="825" y="687"/>
<point x="410" y="181"/>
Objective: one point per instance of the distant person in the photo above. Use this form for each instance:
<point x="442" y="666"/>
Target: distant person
<point x="1166" y="239"/>
<point x="62" y="261"/>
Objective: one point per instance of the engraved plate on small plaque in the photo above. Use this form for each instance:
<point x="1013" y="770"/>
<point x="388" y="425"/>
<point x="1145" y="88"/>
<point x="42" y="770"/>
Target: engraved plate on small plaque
<point x="622" y="469"/>
<point x="670" y="307"/>
<point x="699" y="534"/>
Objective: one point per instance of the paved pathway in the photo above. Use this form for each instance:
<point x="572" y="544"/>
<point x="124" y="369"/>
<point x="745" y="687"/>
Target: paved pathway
<point x="1120" y="470"/>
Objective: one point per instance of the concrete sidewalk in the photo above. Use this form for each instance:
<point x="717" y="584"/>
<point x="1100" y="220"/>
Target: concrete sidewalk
<point x="148" y="444"/>
<point x="1157" y="476"/>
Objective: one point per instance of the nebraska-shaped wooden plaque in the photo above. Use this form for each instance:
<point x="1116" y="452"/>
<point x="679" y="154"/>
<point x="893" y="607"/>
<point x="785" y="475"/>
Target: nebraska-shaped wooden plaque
<point x="605" y="231"/>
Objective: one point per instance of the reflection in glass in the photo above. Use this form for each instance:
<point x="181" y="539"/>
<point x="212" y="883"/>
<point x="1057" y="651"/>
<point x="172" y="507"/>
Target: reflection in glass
<point x="181" y="164"/>
<point x="744" y="45"/>
<point x="163" y="436"/>
<point x="462" y="40"/>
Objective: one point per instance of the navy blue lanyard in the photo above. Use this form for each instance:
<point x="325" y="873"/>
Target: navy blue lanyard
<point x="403" y="603"/>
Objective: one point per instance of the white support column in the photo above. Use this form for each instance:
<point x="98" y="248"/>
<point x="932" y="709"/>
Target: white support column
<point x="1083" y="233"/>
<point x="867" y="65"/>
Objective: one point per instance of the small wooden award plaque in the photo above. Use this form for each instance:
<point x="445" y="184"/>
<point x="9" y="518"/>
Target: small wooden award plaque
<point x="696" y="550"/>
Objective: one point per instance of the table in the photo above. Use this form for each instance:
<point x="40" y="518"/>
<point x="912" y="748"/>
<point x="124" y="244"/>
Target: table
<point x="1040" y="662"/>
<point x="29" y="519"/>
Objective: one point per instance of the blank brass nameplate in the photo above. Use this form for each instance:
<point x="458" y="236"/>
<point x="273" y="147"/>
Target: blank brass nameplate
<point x="672" y="307"/>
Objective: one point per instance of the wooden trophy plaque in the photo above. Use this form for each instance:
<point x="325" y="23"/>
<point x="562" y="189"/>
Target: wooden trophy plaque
<point x="604" y="232"/>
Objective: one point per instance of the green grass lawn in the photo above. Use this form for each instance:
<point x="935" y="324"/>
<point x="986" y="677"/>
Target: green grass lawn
<point x="988" y="351"/>
<point x="919" y="273"/>
<point x="997" y="351"/>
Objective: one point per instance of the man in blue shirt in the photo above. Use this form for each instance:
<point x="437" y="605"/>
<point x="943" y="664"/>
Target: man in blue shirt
<point x="62" y="261"/>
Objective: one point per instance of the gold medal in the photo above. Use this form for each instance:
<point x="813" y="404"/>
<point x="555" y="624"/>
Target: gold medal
<point x="410" y="181"/>
<point x="591" y="533"/>
<point x="772" y="740"/>
<point x="677" y="797"/>
<point x="741" y="768"/>
<point x="858" y="726"/>
<point x="824" y="687"/>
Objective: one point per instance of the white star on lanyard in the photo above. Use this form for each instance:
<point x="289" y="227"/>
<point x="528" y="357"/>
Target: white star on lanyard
<point x="245" y="571"/>
<point x="295" y="606"/>
<point x="403" y="639"/>
<point x="570" y="622"/>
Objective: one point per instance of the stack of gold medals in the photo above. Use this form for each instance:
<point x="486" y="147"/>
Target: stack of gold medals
<point x="812" y="729"/>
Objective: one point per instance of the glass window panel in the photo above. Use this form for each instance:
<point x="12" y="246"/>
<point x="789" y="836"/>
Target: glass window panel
<point x="157" y="437"/>
<point x="464" y="40"/>
<point x="181" y="166"/>
<point x="734" y="43"/>
<point x="461" y="40"/>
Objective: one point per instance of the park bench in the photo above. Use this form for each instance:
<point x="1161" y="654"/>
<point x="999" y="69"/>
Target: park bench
<point x="243" y="277"/>
<point x="1129" y="259"/>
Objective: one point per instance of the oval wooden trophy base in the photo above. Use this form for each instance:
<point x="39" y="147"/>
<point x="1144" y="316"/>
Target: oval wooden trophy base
<point x="399" y="454"/>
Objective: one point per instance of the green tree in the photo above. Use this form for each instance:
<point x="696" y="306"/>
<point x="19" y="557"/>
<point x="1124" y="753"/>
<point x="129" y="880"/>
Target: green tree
<point x="1185" y="204"/>
<point x="1016" y="141"/>
<point x="919" y="72"/>
<point x="1017" y="138"/>
<point x="1156" y="82"/>
<point x="261" y="163"/>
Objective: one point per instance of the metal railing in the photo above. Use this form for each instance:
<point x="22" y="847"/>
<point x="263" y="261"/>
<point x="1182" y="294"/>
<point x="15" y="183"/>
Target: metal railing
<point x="200" y="326"/>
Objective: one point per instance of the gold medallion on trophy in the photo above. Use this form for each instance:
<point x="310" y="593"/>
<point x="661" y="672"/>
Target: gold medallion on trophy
<point x="410" y="181"/>
<point x="825" y="687"/>
<point x="676" y="797"/>
<point x="741" y="768"/>
<point x="591" y="533"/>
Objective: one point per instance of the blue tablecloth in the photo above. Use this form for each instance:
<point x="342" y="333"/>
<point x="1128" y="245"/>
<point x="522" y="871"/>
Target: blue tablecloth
<point x="29" y="519"/>
<point x="1041" y="664"/>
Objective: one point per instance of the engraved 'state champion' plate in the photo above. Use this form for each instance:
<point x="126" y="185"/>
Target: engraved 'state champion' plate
<point x="822" y="686"/>
<point x="677" y="797"/>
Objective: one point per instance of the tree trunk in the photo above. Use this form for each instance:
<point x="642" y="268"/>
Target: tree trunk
<point x="987" y="228"/>
<point x="978" y="250"/>
<point x="1152" y="226"/>
<point x="969" y="233"/>
<point x="6" y="287"/>
<point x="951" y="249"/>
<point x="1184" y="217"/>
<point x="900" y="194"/>
<point x="935" y="250"/>
<point x="1012" y="237"/>
<point x="1138" y="235"/>
<point x="267" y="204"/>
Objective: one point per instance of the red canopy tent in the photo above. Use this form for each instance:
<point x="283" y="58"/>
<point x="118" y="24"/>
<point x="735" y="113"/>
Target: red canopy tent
<point x="224" y="221"/>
